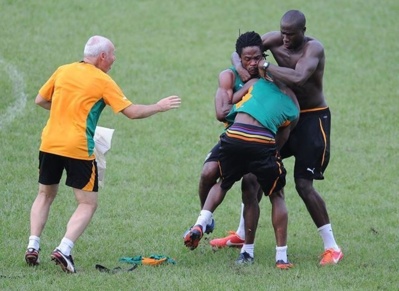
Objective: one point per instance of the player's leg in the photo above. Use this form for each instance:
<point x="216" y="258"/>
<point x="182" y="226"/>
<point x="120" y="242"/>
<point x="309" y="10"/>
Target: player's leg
<point x="250" y="216"/>
<point x="193" y="236"/>
<point x="50" y="172"/>
<point x="279" y="217"/>
<point x="209" y="176"/>
<point x="318" y="211"/>
<point x="82" y="176"/>
<point x="38" y="218"/>
<point x="311" y="160"/>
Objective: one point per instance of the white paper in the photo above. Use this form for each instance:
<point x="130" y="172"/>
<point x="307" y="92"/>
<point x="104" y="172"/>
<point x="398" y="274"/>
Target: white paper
<point x="102" y="140"/>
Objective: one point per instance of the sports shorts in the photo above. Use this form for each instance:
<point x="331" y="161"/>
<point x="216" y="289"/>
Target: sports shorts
<point x="81" y="174"/>
<point x="309" y="143"/>
<point x="238" y="157"/>
<point x="213" y="155"/>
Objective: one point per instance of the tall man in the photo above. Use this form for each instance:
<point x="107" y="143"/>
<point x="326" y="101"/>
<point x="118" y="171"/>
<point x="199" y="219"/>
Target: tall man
<point x="301" y="61"/>
<point x="75" y="95"/>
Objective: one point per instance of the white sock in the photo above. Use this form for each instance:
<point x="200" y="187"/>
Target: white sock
<point x="66" y="246"/>
<point x="249" y="249"/>
<point x="34" y="242"/>
<point x="281" y="253"/>
<point x="327" y="235"/>
<point x="241" y="227"/>
<point x="204" y="218"/>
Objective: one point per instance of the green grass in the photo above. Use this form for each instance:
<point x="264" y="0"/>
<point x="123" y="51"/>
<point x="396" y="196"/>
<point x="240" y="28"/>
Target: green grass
<point x="150" y="195"/>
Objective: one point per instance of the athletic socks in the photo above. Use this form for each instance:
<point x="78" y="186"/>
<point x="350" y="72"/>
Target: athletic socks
<point x="248" y="249"/>
<point x="204" y="219"/>
<point x="241" y="227"/>
<point x="34" y="242"/>
<point x="281" y="253"/>
<point x="327" y="235"/>
<point x="66" y="246"/>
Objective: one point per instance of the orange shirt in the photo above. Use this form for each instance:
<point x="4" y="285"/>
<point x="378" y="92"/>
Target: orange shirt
<point x="78" y="93"/>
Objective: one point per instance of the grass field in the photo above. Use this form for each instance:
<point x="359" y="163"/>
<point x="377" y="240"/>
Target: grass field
<point x="150" y="194"/>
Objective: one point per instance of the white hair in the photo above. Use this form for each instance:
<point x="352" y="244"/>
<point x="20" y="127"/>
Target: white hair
<point x="96" y="45"/>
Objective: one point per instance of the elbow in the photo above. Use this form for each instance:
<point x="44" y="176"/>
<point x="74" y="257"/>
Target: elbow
<point x="39" y="101"/>
<point x="299" y="81"/>
<point x="219" y="118"/>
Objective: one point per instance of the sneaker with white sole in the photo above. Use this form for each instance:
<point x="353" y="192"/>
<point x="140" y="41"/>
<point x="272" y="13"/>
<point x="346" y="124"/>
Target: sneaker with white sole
<point x="232" y="240"/>
<point x="32" y="257"/>
<point x="66" y="262"/>
<point x="331" y="257"/>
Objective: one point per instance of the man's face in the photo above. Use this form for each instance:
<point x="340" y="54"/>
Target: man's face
<point x="107" y="59"/>
<point x="292" y="36"/>
<point x="250" y="57"/>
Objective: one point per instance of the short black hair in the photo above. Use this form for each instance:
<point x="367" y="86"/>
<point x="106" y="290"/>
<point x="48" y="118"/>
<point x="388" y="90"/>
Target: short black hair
<point x="294" y="17"/>
<point x="250" y="38"/>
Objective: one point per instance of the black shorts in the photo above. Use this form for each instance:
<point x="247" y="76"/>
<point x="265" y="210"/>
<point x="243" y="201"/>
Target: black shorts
<point x="213" y="155"/>
<point x="238" y="157"/>
<point x="309" y="143"/>
<point x="81" y="174"/>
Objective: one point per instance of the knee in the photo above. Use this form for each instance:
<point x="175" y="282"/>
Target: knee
<point x="250" y="184"/>
<point x="304" y="187"/>
<point x="277" y="196"/>
<point x="91" y="205"/>
<point x="210" y="173"/>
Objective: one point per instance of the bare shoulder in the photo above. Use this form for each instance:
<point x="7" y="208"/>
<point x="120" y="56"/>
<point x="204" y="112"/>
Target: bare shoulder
<point x="227" y="77"/>
<point x="314" y="43"/>
<point x="227" y="73"/>
<point x="314" y="47"/>
<point x="271" y="38"/>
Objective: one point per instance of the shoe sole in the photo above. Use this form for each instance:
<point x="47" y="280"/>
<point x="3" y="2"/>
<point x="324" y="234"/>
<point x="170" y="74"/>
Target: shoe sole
<point x="284" y="267"/>
<point x="32" y="260"/>
<point x="192" y="239"/>
<point x="226" y="246"/>
<point x="244" y="263"/>
<point x="59" y="261"/>
<point x="332" y="263"/>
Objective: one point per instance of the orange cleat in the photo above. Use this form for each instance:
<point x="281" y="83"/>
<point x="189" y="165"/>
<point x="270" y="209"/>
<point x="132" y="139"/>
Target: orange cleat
<point x="232" y="240"/>
<point x="331" y="257"/>
<point x="193" y="236"/>
<point x="280" y="264"/>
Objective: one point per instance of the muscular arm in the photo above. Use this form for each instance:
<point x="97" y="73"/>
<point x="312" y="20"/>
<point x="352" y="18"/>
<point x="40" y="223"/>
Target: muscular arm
<point x="305" y="67"/>
<point x="224" y="94"/>
<point x="42" y="102"/>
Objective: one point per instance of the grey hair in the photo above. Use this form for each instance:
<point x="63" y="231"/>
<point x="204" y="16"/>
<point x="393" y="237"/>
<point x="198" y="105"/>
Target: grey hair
<point x="96" y="45"/>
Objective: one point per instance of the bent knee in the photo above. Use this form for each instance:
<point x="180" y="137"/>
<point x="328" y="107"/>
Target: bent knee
<point x="249" y="182"/>
<point x="210" y="172"/>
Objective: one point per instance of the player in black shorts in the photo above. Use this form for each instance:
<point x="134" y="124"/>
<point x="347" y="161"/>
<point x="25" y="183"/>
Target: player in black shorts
<point x="311" y="154"/>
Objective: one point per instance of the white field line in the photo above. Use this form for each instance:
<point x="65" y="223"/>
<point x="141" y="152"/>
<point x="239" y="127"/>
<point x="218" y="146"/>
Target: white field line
<point x="18" y="87"/>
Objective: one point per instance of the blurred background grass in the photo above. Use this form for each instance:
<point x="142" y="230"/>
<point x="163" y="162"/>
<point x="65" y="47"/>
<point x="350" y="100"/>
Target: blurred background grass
<point x="150" y="195"/>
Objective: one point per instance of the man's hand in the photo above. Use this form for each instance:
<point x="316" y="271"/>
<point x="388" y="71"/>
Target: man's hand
<point x="262" y="72"/>
<point x="244" y="75"/>
<point x="167" y="103"/>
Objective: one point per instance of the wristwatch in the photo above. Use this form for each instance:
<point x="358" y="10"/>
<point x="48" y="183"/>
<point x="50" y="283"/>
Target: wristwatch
<point x="265" y="65"/>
